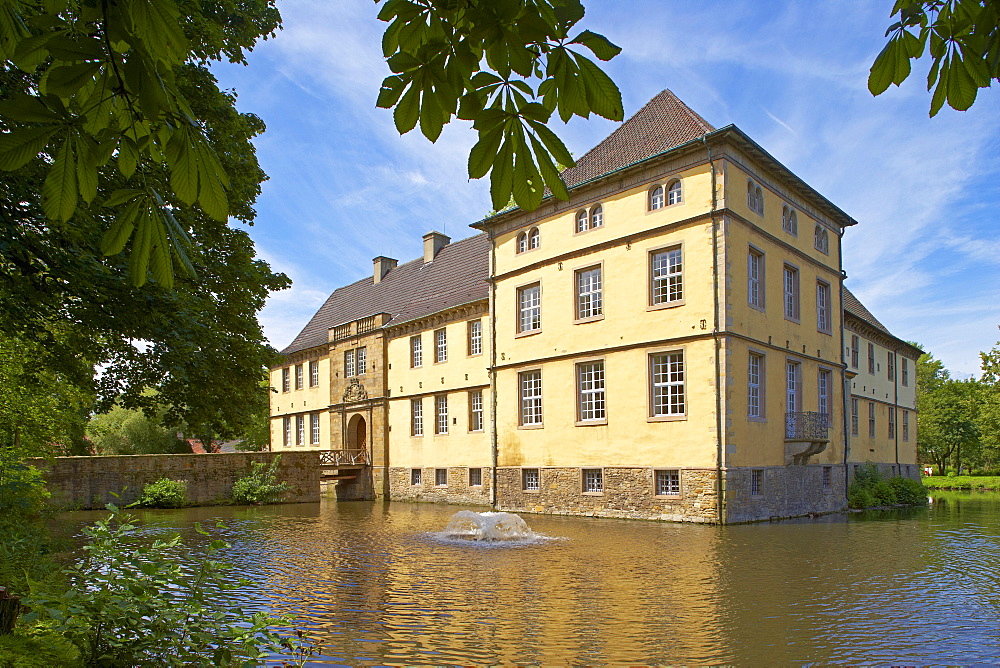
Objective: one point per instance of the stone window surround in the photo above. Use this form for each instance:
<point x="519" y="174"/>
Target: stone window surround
<point x="659" y="350"/>
<point x="650" y="252"/>
<point x="599" y="479"/>
<point x="761" y="278"/>
<point x="520" y="401"/>
<point x="796" y="293"/>
<point x="761" y="385"/>
<point x="577" y="320"/>
<point x="680" y="483"/>
<point x="518" y="291"/>
<point x="576" y="374"/>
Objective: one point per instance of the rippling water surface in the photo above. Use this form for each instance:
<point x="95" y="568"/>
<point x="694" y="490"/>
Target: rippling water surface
<point x="374" y="583"/>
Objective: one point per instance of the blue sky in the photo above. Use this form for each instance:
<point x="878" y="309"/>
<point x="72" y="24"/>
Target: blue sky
<point x="345" y="187"/>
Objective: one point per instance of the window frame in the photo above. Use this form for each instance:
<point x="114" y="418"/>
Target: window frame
<point x="521" y="243"/>
<point x="892" y="422"/>
<point x="417" y="417"/>
<point x="519" y="292"/>
<point x="300" y="377"/>
<point x="440" y="477"/>
<point x="581" y="221"/>
<point x="651" y="198"/>
<point x="314" y="429"/>
<point x="651" y="415"/>
<point x="473" y="412"/>
<point x="761" y="293"/>
<point x="793" y="388"/>
<point x="578" y="295"/>
<point x="756" y="482"/>
<point x="669" y="191"/>
<point x="522" y="398"/>
<point x="824" y="292"/>
<point x="416" y="351"/>
<point x="855" y="351"/>
<point x="667" y="494"/>
<point x="871" y="358"/>
<point x="651" y="303"/>
<point x="286" y="380"/>
<point x="789" y="220"/>
<point x="795" y="293"/>
<point x="441" y="415"/>
<point x="904" y="370"/>
<point x="534" y="239"/>
<point x="526" y="473"/>
<point x="441" y="345"/>
<point x="595" y="475"/>
<point x="476" y="481"/>
<point x="361" y="360"/>
<point x="416" y="477"/>
<point x="855" y="416"/>
<point x="599" y="395"/>
<point x="349" y="368"/>
<point x="286" y="428"/>
<point x="760" y="385"/>
<point x="300" y="430"/>
<point x="596" y="214"/>
<point x="890" y="365"/>
<point x="872" y="420"/>
<point x="313" y="373"/>
<point x="474" y="337"/>
<point x="906" y="426"/>
<point x="821" y="239"/>
<point x="824" y="392"/>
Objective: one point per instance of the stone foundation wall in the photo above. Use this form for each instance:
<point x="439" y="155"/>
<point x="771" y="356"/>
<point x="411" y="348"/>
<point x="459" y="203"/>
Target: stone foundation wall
<point x="457" y="491"/>
<point x="359" y="489"/>
<point x="628" y="493"/>
<point x="88" y="482"/>
<point x="784" y="491"/>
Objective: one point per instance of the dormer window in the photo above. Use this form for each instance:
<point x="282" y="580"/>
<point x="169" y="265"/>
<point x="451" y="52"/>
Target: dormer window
<point x="821" y="240"/>
<point x="656" y="200"/>
<point x="789" y="221"/>
<point x="674" y="193"/>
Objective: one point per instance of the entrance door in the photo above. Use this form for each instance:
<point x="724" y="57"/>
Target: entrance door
<point x="361" y="439"/>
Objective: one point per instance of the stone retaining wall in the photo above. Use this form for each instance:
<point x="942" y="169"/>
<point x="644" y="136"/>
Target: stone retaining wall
<point x="88" y="482"/>
<point x="457" y="491"/>
<point x="783" y="491"/>
<point x="628" y="493"/>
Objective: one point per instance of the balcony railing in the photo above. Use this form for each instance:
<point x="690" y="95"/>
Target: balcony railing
<point x="807" y="426"/>
<point x="343" y="457"/>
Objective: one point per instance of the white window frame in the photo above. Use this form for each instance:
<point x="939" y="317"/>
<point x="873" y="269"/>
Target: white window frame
<point x="593" y="480"/>
<point x="790" y="291"/>
<point x="589" y="292"/>
<point x="667" y="482"/>
<point x="674" y="193"/>
<point x="656" y="200"/>
<point x="756" y="379"/>
<point x="416" y="477"/>
<point x="476" y="410"/>
<point x="475" y="330"/>
<point x="314" y="429"/>
<point x="349" y="368"/>
<point x="529" y="393"/>
<point x="821" y="239"/>
<point x="582" y="221"/>
<point x="475" y="477"/>
<point x="529" y="308"/>
<point x="416" y="351"/>
<point x="789" y="221"/>
<point x="361" y="360"/>
<point x="300" y="430"/>
<point x="534" y="238"/>
<point x="522" y="243"/>
<point x="286" y="425"/>
<point x="441" y="414"/>
<point x="666" y="276"/>
<point x="440" y="477"/>
<point x="441" y="345"/>
<point x="855" y="350"/>
<point x="299" y="377"/>
<point x="314" y="373"/>
<point x="596" y="216"/>
<point x="591" y="398"/>
<point x="824" y="322"/>
<point x="823" y="387"/>
<point x="531" y="480"/>
<point x="793" y="391"/>
<point x="286" y="380"/>
<point x="755" y="278"/>
<point x="667" y="387"/>
<point x="417" y="417"/>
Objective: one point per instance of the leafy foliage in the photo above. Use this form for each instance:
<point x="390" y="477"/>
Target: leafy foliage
<point x="869" y="489"/>
<point x="123" y="431"/>
<point x="964" y="45"/>
<point x="260" y="486"/>
<point x="164" y="493"/>
<point x="948" y="428"/>
<point x="964" y="482"/>
<point x="507" y="66"/>
<point x="37" y="647"/>
<point x="132" y="602"/>
<point x="22" y="489"/>
<point x="108" y="93"/>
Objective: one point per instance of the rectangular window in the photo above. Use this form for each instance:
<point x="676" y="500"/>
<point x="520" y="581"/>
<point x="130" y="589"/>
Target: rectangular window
<point x="590" y="389"/>
<point x="286" y="380"/>
<point x="827" y="476"/>
<point x="441" y="345"/>
<point x="314" y="429"/>
<point x="441" y="424"/>
<point x="529" y="308"/>
<point x="313" y="374"/>
<point x="823" y="391"/>
<point x="871" y="358"/>
<point x="476" y="410"/>
<point x="668" y="483"/>
<point x="892" y="422"/>
<point x="416" y="352"/>
<point x="475" y="337"/>
<point x="667" y="277"/>
<point x="906" y="425"/>
<point x="755" y="278"/>
<point x="593" y="481"/>
<point x="667" y="377"/>
<point x="361" y="360"/>
<point x="475" y="477"/>
<point x="299" y="379"/>
<point x="300" y="430"/>
<point x="755" y="386"/>
<point x="823" y="322"/>
<point x="529" y="480"/>
<point x="793" y="387"/>
<point x="855" y="350"/>
<point x="890" y="363"/>
<point x="530" y="389"/>
<point x="417" y="417"/>
<point x="349" y="363"/>
<point x="441" y="477"/>
<point x="871" y="419"/>
<point x="756" y="480"/>
<point x="854" y="417"/>
<point x="791" y="290"/>
<point x="415" y="476"/>
<point x="906" y="372"/>
<point x="588" y="293"/>
<point x="287" y="428"/>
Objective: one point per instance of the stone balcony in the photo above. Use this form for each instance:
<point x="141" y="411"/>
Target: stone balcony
<point x="807" y="433"/>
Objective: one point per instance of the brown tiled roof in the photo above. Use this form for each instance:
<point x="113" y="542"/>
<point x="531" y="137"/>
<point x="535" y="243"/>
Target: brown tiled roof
<point x="858" y="310"/>
<point x="458" y="275"/>
<point x="664" y="123"/>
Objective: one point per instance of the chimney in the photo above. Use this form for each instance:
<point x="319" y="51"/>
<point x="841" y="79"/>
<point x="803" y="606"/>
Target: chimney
<point x="383" y="265"/>
<point x="433" y="243"/>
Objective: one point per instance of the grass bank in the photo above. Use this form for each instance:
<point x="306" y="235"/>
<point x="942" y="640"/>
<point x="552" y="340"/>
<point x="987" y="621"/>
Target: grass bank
<point x="970" y="482"/>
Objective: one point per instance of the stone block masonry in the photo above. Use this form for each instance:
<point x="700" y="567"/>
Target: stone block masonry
<point x="457" y="490"/>
<point x="91" y="482"/>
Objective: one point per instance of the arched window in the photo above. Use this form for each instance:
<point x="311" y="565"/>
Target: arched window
<point x="656" y="198"/>
<point x="760" y="201"/>
<point x="751" y="196"/>
<point x="789" y="222"/>
<point x="596" y="216"/>
<point x="821" y="239"/>
<point x="581" y="220"/>
<point x="534" y="239"/>
<point x="674" y="193"/>
<point x="522" y="242"/>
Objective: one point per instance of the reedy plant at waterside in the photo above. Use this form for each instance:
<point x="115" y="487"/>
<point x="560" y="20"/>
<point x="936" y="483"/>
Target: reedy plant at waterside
<point x="135" y="601"/>
<point x="870" y="490"/>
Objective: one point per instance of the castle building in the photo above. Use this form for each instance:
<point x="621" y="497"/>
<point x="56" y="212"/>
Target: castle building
<point x="674" y="342"/>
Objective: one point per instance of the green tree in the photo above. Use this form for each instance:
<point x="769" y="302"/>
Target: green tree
<point x="989" y="410"/>
<point x="964" y="46"/>
<point x="947" y="409"/>
<point x="123" y="431"/>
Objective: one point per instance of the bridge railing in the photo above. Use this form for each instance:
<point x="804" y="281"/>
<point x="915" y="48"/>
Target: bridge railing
<point x="343" y="457"/>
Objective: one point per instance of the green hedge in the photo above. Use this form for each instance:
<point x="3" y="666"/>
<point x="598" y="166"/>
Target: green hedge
<point x="869" y="490"/>
<point x="969" y="482"/>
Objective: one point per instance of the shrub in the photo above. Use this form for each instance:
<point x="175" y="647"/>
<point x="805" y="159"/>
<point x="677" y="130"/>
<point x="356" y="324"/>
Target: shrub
<point x="22" y="489"/>
<point x="260" y="485"/>
<point x="859" y="497"/>
<point x="869" y="489"/>
<point x="37" y="647"/>
<point x="908" y="492"/>
<point x="883" y="493"/>
<point x="164" y="493"/>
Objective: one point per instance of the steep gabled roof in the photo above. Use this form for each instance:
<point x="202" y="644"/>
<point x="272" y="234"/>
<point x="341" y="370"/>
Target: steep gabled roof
<point x="854" y="307"/>
<point x="458" y="275"/>
<point x="664" y="123"/>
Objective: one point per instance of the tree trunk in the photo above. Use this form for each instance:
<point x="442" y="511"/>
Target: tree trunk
<point x="10" y="608"/>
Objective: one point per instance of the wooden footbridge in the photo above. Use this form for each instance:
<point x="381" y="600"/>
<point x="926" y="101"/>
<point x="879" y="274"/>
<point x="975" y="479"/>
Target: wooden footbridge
<point x="341" y="464"/>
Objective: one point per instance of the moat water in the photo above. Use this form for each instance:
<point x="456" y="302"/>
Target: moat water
<point x="375" y="583"/>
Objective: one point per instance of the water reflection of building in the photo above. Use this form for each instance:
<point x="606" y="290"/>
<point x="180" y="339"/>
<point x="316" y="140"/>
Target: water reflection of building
<point x="670" y="343"/>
